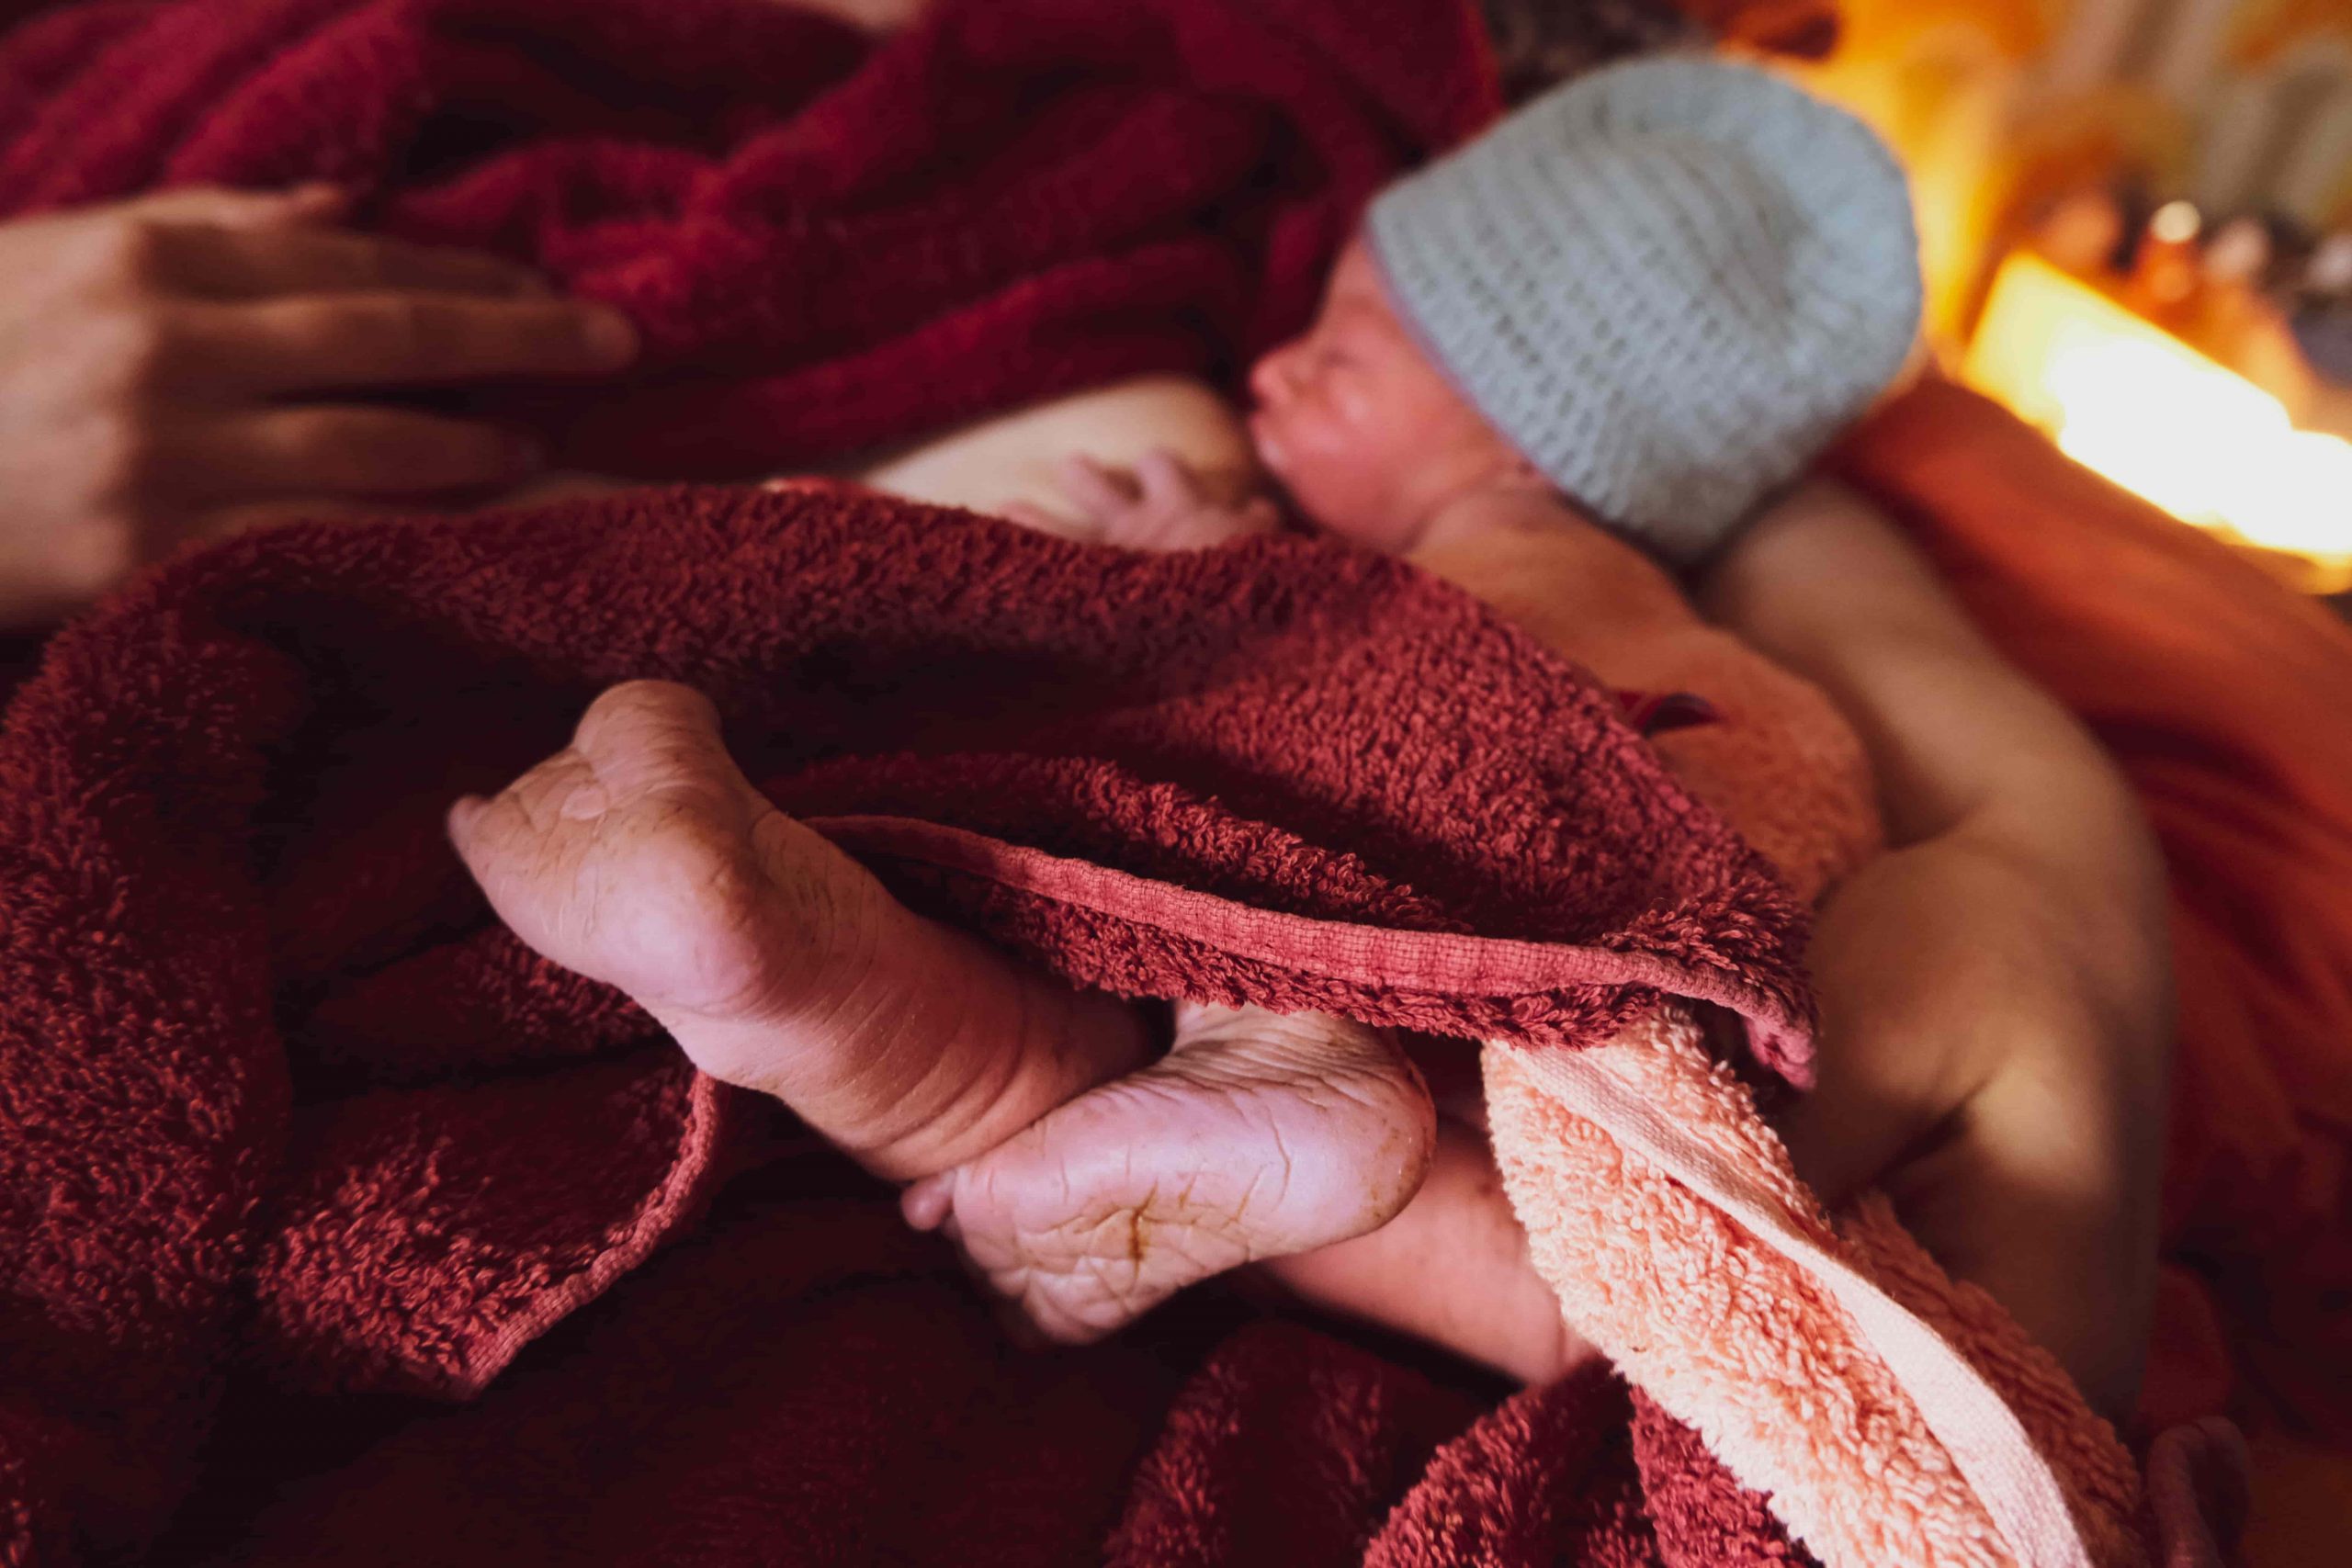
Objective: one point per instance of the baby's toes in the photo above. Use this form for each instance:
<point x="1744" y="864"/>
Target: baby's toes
<point x="633" y="857"/>
<point x="656" y="742"/>
<point x="523" y="847"/>
<point x="1256" y="1137"/>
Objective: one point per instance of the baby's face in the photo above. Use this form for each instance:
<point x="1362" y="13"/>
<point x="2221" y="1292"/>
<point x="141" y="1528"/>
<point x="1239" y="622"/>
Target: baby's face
<point x="1367" y="435"/>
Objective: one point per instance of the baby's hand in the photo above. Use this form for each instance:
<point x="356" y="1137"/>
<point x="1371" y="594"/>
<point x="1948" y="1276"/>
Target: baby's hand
<point x="1162" y="505"/>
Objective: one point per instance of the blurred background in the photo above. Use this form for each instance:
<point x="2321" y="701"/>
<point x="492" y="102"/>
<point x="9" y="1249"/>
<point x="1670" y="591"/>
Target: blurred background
<point x="2137" y="223"/>
<point x="2136" y="218"/>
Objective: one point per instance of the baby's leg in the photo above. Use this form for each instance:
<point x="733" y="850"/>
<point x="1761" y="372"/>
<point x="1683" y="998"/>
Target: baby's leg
<point x="1306" y="1146"/>
<point x="640" y="856"/>
<point x="1452" y="1269"/>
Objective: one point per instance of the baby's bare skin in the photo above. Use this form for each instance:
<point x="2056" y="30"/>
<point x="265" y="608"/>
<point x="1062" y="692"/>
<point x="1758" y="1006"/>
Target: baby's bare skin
<point x="1256" y="1137"/>
<point x="640" y="856"/>
<point x="1084" y="1184"/>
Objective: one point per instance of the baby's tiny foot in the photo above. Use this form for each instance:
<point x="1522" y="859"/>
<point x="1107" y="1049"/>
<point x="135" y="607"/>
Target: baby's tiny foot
<point x="640" y="856"/>
<point x="1257" y="1135"/>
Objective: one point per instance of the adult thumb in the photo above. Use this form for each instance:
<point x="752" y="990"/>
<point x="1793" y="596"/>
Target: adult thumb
<point x="314" y="202"/>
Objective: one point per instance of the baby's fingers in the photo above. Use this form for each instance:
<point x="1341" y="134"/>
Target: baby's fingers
<point x="1167" y="483"/>
<point x="1099" y="494"/>
<point x="1037" y="519"/>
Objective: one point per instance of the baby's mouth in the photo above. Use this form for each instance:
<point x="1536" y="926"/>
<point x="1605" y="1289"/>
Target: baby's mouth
<point x="1270" y="449"/>
<point x="1271" y="460"/>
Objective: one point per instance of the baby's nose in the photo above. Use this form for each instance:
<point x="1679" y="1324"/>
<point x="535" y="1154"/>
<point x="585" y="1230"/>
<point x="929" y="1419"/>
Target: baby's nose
<point x="1271" y="377"/>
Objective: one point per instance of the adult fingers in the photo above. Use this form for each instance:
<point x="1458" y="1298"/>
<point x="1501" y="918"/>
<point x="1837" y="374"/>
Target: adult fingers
<point x="224" y="522"/>
<point x="320" y="342"/>
<point x="312" y="203"/>
<point x="337" y="450"/>
<point x="1039" y="520"/>
<point x="251" y="262"/>
<point x="562" y="484"/>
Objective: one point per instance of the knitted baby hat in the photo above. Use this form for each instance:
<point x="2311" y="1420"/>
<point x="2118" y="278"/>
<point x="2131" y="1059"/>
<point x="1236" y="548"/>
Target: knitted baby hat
<point x="1670" y="283"/>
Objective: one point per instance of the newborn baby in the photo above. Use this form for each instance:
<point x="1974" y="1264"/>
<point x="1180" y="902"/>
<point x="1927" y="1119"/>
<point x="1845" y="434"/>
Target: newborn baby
<point x="1645" y="301"/>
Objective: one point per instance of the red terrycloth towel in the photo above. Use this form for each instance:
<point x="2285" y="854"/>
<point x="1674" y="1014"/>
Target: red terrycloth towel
<point x="284" y="1109"/>
<point x="826" y="242"/>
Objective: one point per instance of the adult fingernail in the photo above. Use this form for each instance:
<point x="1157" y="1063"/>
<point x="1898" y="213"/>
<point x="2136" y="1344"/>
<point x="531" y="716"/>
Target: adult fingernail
<point x="610" y="335"/>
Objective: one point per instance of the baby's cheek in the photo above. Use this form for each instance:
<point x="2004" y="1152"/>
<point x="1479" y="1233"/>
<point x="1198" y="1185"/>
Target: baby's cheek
<point x="1354" y="403"/>
<point x="1340" y="482"/>
<point x="1354" y="524"/>
<point x="1355" y="495"/>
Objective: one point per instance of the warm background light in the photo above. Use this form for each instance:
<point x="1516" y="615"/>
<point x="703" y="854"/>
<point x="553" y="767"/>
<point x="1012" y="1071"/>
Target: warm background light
<point x="2150" y="413"/>
<point x="2002" y="109"/>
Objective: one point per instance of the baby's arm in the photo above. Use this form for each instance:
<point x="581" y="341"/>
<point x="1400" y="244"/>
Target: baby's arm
<point x="1995" y="991"/>
<point x="1782" y="766"/>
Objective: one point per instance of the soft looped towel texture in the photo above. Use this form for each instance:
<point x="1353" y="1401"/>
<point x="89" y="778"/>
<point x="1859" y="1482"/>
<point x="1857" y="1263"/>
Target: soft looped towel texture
<point x="295" y="1142"/>
<point x="324" y="1130"/>
<point x="826" y="242"/>
<point x="303" y="1071"/>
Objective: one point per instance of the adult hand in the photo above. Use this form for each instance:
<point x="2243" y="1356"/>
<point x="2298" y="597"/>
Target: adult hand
<point x="175" y="366"/>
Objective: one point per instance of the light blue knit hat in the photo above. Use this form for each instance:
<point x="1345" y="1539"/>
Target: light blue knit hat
<point x="1670" y="283"/>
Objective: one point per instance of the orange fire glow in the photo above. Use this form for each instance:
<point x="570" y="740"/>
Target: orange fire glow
<point x="2132" y="402"/>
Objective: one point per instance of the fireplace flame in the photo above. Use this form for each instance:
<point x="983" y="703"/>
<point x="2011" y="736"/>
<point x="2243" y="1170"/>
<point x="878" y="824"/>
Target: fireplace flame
<point x="2132" y="402"/>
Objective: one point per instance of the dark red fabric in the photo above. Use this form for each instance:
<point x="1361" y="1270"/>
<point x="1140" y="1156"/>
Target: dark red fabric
<point x="285" y="1110"/>
<point x="295" y="1142"/>
<point x="826" y="243"/>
